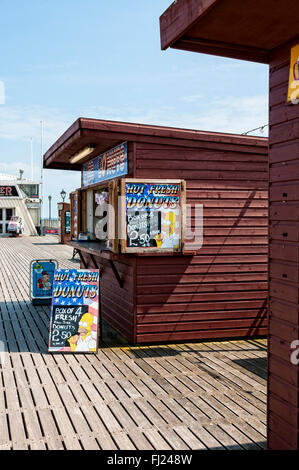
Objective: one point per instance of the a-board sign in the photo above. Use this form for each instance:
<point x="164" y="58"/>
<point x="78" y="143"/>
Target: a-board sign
<point x="152" y="215"/>
<point x="75" y="311"/>
<point x="41" y="280"/>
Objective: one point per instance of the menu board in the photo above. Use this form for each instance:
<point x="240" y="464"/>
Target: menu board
<point x="111" y="164"/>
<point x="75" y="311"/>
<point x="152" y="215"/>
<point x="42" y="278"/>
<point x="67" y="222"/>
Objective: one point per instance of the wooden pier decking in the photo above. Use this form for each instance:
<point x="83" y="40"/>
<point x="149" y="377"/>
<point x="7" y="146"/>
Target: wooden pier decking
<point x="189" y="396"/>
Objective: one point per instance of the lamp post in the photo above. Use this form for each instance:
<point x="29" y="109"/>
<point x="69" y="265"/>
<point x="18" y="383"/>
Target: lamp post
<point x="63" y="194"/>
<point x="50" y="223"/>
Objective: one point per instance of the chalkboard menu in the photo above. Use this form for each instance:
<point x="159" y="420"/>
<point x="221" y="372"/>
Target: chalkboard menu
<point x="152" y="215"/>
<point x="75" y="311"/>
<point x="142" y="228"/>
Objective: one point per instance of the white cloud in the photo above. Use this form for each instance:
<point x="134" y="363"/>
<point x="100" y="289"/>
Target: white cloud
<point x="229" y="114"/>
<point x="22" y="123"/>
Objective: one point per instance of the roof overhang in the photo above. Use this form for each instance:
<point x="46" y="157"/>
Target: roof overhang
<point x="240" y="29"/>
<point x="104" y="135"/>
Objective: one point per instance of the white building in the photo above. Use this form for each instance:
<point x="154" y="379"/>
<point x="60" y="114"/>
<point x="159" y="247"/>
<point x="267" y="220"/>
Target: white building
<point x="19" y="196"/>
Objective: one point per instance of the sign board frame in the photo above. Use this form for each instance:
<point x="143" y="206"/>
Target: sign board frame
<point x="107" y="166"/>
<point x="67" y="216"/>
<point x="8" y="191"/>
<point x="75" y="311"/>
<point x="123" y="211"/>
<point x="39" y="282"/>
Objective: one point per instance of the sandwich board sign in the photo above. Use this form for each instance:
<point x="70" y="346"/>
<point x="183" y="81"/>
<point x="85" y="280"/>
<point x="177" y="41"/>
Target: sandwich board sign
<point x="41" y="281"/>
<point x="75" y="311"/>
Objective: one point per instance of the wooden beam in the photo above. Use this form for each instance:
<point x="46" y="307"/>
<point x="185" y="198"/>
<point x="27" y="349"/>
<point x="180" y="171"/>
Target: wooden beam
<point x="223" y="49"/>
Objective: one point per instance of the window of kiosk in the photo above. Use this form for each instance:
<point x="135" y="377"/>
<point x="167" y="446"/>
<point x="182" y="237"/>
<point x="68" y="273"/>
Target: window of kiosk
<point x="152" y="215"/>
<point x="100" y="215"/>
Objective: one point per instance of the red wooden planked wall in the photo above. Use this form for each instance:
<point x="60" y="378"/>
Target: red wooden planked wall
<point x="283" y="380"/>
<point x="117" y="305"/>
<point x="222" y="291"/>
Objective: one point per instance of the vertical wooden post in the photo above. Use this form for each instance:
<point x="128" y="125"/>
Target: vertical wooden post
<point x="283" y="376"/>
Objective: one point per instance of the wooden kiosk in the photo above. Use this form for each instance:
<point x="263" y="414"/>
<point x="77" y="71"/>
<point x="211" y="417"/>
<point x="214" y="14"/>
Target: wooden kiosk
<point x="267" y="32"/>
<point x="141" y="188"/>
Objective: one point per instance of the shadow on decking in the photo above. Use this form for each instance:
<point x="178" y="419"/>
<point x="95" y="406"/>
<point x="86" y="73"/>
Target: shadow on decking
<point x="46" y="244"/>
<point x="155" y="351"/>
<point x="257" y="365"/>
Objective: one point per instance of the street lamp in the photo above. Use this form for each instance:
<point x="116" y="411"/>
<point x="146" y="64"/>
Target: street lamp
<point x="50" y="199"/>
<point x="63" y="194"/>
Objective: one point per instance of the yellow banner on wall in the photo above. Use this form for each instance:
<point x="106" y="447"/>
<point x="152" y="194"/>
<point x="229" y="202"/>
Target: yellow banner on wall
<point x="293" y="92"/>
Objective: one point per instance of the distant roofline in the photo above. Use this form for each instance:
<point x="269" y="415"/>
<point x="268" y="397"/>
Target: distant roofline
<point x="4" y="178"/>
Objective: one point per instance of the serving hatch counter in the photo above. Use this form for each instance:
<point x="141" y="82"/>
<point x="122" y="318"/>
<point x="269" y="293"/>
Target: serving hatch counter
<point x="176" y="220"/>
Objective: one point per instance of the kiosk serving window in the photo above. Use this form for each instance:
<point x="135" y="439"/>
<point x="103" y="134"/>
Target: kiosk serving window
<point x="97" y="214"/>
<point x="152" y="215"/>
<point x="131" y="215"/>
<point x="98" y="220"/>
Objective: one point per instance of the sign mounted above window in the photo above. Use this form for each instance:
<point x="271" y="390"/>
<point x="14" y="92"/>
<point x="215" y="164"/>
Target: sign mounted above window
<point x="8" y="191"/>
<point x="293" y="92"/>
<point x="109" y="165"/>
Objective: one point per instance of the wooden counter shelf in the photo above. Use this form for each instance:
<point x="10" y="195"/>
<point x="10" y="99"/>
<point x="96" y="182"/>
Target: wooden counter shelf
<point x="98" y="249"/>
<point x="95" y="248"/>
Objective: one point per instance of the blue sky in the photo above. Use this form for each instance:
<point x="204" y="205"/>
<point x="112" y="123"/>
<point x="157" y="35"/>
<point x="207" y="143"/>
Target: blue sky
<point x="69" y="58"/>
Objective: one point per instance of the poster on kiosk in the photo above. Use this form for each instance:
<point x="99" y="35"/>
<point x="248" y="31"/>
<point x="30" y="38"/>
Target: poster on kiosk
<point x="75" y="311"/>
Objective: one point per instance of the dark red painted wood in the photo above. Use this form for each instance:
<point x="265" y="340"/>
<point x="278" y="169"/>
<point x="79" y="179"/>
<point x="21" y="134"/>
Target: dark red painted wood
<point x="283" y="381"/>
<point x="223" y="289"/>
<point x="117" y="304"/>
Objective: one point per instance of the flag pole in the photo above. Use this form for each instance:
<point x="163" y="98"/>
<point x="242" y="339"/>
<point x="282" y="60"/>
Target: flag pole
<point x="41" y="178"/>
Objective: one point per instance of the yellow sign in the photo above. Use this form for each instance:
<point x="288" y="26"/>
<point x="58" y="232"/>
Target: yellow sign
<point x="293" y="93"/>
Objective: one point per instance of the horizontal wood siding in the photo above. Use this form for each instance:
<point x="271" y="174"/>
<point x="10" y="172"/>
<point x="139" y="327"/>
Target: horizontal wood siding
<point x="222" y="290"/>
<point x="283" y="391"/>
<point x="117" y="303"/>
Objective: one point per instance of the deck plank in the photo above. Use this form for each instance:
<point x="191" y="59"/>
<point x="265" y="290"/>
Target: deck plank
<point x="185" y="396"/>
